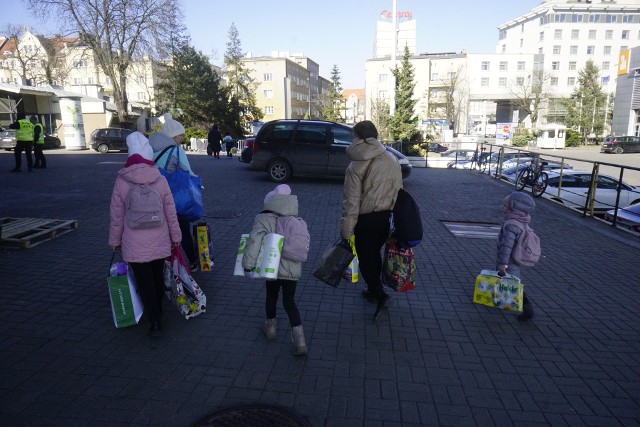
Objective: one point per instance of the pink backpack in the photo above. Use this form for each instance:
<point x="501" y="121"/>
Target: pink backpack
<point x="526" y="250"/>
<point x="296" y="237"/>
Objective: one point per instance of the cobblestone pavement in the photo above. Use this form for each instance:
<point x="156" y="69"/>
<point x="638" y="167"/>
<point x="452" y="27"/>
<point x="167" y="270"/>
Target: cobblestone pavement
<point x="437" y="359"/>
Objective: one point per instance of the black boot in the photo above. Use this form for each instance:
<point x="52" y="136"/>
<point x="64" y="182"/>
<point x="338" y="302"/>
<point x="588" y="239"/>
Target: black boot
<point x="527" y="310"/>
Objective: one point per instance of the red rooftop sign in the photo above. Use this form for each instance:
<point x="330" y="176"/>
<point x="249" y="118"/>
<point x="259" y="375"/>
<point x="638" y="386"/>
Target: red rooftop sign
<point x="386" y="14"/>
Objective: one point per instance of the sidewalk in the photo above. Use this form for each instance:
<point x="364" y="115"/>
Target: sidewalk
<point x="438" y="359"/>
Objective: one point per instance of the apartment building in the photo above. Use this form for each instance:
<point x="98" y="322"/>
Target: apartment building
<point x="557" y="37"/>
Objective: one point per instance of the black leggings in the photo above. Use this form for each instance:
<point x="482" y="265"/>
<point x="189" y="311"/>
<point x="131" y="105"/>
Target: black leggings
<point x="150" y="282"/>
<point x="372" y="232"/>
<point x="288" y="299"/>
<point x="187" y="241"/>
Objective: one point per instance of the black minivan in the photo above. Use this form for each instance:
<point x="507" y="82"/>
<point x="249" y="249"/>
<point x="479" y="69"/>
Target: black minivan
<point x="109" y="139"/>
<point x="284" y="148"/>
<point x="621" y="144"/>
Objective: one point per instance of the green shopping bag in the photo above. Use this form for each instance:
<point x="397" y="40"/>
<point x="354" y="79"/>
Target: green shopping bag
<point x="126" y="305"/>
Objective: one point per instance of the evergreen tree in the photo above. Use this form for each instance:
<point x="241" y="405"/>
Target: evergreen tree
<point x="241" y="85"/>
<point x="190" y="89"/>
<point x="333" y="104"/>
<point x="403" y="126"/>
<point x="586" y="106"/>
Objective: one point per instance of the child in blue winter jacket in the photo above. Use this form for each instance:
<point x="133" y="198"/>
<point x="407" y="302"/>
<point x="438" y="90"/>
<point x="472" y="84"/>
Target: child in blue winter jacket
<point x="516" y="206"/>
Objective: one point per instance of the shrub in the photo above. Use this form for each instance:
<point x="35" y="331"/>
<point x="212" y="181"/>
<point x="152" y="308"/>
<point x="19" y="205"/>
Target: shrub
<point x="573" y="139"/>
<point x="192" y="132"/>
<point x="521" y="140"/>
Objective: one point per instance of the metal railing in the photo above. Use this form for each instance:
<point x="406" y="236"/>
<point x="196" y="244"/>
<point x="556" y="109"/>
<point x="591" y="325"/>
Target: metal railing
<point x="588" y="209"/>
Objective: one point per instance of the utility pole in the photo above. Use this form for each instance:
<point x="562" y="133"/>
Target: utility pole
<point x="394" y="24"/>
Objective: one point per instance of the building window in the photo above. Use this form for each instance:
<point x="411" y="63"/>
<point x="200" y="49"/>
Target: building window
<point x="556" y="50"/>
<point x="521" y="42"/>
<point x="520" y="65"/>
<point x="503" y="65"/>
<point x="571" y="81"/>
<point x="625" y="34"/>
<point x="267" y="77"/>
<point x="572" y="66"/>
<point x="540" y="51"/>
<point x="607" y="50"/>
<point x="591" y="50"/>
<point x="573" y="50"/>
<point x="434" y="76"/>
<point x="520" y="81"/>
<point x="502" y="81"/>
<point x="555" y="65"/>
<point x="382" y="77"/>
<point x="554" y="81"/>
<point x="90" y="80"/>
<point x="142" y="96"/>
<point x="485" y="66"/>
<point x="592" y="34"/>
<point x="107" y="81"/>
<point x="605" y="65"/>
<point x="608" y="35"/>
<point x="484" y="81"/>
<point x="268" y="93"/>
<point x="575" y="34"/>
<point x="557" y="35"/>
<point x="383" y="94"/>
<point x="268" y="109"/>
<point x="541" y="37"/>
<point x="504" y="48"/>
<point x="140" y="80"/>
<point x="77" y="81"/>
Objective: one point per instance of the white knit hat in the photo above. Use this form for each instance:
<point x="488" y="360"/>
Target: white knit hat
<point x="139" y="144"/>
<point x="171" y="127"/>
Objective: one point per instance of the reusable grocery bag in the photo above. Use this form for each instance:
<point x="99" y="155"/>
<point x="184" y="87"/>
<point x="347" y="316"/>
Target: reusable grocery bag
<point x="398" y="267"/>
<point x="126" y="305"/>
<point x="335" y="260"/>
<point x="181" y="289"/>
<point x="504" y="292"/>
<point x="186" y="190"/>
<point x="352" y="272"/>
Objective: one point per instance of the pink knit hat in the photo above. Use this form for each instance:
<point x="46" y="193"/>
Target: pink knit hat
<point x="280" y="189"/>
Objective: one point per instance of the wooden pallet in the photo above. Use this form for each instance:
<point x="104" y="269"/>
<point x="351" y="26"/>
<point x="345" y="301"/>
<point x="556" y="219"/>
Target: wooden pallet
<point x="30" y="232"/>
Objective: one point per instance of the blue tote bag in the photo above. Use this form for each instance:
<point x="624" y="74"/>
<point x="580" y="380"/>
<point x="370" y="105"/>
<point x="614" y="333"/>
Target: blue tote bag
<point x="186" y="189"/>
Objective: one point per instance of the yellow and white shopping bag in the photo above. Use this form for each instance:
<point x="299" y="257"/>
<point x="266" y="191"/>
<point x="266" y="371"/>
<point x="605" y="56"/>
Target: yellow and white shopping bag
<point x="504" y="292"/>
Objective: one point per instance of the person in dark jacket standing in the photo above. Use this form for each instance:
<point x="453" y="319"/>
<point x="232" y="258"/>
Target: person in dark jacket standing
<point x="371" y="185"/>
<point x="214" y="139"/>
<point x="38" y="144"/>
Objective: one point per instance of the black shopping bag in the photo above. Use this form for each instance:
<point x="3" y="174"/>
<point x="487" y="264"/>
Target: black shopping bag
<point x="334" y="262"/>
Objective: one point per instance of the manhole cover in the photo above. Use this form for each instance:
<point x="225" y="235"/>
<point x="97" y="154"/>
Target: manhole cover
<point x="223" y="214"/>
<point x="473" y="230"/>
<point x="253" y="415"/>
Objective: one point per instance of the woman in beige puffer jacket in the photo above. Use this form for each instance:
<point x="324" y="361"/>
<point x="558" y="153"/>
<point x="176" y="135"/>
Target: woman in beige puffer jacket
<point x="371" y="186"/>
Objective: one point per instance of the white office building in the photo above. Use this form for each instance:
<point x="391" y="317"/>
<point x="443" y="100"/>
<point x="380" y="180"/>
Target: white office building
<point x="557" y="38"/>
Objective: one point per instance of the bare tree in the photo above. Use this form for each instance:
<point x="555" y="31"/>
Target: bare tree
<point x="530" y="93"/>
<point x="118" y="32"/>
<point x="26" y="58"/>
<point x="451" y="98"/>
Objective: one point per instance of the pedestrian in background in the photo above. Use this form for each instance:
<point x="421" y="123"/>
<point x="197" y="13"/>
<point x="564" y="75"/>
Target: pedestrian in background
<point x="24" y="142"/>
<point x="144" y="249"/>
<point x="214" y="142"/>
<point x="171" y="135"/>
<point x="371" y="185"/>
<point x="279" y="202"/>
<point x="228" y="143"/>
<point x="38" y="144"/>
<point x="516" y="206"/>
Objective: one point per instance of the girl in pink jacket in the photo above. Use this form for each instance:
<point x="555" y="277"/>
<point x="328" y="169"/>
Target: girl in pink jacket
<point x="144" y="247"/>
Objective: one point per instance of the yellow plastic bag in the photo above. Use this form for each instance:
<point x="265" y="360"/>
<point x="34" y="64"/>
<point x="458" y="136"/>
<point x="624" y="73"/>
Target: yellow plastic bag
<point x="352" y="274"/>
<point x="504" y="292"/>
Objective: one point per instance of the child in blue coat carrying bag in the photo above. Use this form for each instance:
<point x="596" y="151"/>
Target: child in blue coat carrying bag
<point x="278" y="203"/>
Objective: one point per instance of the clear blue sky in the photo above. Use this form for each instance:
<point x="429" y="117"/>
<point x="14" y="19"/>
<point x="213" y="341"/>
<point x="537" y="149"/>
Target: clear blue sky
<point x="330" y="32"/>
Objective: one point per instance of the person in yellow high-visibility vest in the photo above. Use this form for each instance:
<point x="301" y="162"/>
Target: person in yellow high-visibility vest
<point x="38" y="144"/>
<point x="24" y="141"/>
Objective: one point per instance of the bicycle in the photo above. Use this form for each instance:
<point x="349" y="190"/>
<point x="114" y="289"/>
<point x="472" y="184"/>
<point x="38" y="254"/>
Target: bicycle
<point x="534" y="176"/>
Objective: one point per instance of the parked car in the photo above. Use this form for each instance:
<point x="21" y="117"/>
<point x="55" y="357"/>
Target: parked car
<point x="434" y="147"/>
<point x="511" y="167"/>
<point x="492" y="159"/>
<point x="8" y="140"/>
<point x="575" y="187"/>
<point x="109" y="139"/>
<point x="628" y="218"/>
<point x="458" y="154"/>
<point x="286" y="148"/>
<point x="621" y="144"/>
<point x="247" y="151"/>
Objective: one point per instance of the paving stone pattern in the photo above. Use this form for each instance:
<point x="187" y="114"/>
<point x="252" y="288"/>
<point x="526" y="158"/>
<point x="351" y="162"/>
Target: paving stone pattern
<point x="437" y="359"/>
